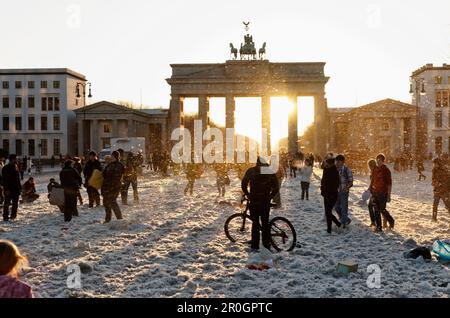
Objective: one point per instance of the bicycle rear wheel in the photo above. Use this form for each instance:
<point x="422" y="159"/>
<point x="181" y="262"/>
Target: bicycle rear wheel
<point x="282" y="234"/>
<point x="238" y="228"/>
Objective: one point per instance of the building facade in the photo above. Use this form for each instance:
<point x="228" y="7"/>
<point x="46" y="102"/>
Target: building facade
<point x="37" y="111"/>
<point x="430" y="88"/>
<point x="386" y="126"/>
<point x="99" y="122"/>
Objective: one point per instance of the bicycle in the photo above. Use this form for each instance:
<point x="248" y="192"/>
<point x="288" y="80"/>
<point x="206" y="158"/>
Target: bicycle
<point x="282" y="233"/>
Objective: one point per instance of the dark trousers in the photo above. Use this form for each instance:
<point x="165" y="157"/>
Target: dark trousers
<point x="126" y="185"/>
<point x="379" y="204"/>
<point x="94" y="196"/>
<point x="305" y="190"/>
<point x="2" y="198"/>
<point x="11" y="198"/>
<point x="189" y="187"/>
<point x="260" y="213"/>
<point x="373" y="221"/>
<point x="329" y="202"/>
<point x="110" y="204"/>
<point x="293" y="171"/>
<point x="70" y="204"/>
<point x="438" y="196"/>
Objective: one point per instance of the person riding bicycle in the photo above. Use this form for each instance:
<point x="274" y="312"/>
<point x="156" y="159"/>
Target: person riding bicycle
<point x="263" y="188"/>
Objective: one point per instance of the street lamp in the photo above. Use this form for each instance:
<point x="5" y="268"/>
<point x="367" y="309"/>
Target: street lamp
<point x="81" y="84"/>
<point x="417" y="88"/>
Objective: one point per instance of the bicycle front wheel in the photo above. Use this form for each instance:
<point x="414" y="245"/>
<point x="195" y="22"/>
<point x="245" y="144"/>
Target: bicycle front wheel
<point x="238" y="228"/>
<point x="282" y="234"/>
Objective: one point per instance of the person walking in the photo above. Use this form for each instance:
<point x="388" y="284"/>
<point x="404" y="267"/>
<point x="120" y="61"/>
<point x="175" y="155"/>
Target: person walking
<point x="329" y="188"/>
<point x="263" y="188"/>
<point x="420" y="170"/>
<point x="78" y="167"/>
<point x="345" y="183"/>
<point x="440" y="181"/>
<point x="305" y="178"/>
<point x="380" y="189"/>
<point x="91" y="165"/>
<point x="130" y="178"/>
<point x="112" y="184"/>
<point x="71" y="182"/>
<point x="222" y="178"/>
<point x="11" y="188"/>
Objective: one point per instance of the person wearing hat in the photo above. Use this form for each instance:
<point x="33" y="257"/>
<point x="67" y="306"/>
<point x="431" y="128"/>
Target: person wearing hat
<point x="71" y="182"/>
<point x="91" y="165"/>
<point x="11" y="188"/>
<point x="111" y="187"/>
<point x="263" y="188"/>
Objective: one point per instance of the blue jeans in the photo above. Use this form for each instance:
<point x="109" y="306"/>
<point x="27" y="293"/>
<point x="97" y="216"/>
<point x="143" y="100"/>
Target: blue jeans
<point x="342" y="207"/>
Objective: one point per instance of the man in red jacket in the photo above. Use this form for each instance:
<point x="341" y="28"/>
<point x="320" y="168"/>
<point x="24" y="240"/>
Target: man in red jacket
<point x="380" y="187"/>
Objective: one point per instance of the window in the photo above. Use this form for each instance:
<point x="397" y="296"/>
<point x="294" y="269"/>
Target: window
<point x="438" y="98"/>
<point x="438" y="119"/>
<point x="19" y="147"/>
<point x="445" y="95"/>
<point x="31" y="147"/>
<point x="44" y="147"/>
<point x="50" y="103"/>
<point x="438" y="145"/>
<point x="18" y="102"/>
<point x="6" y="123"/>
<point x="5" y="85"/>
<point x="44" y="103"/>
<point x="56" y="123"/>
<point x="30" y="101"/>
<point x="107" y="128"/>
<point x="448" y="80"/>
<point x="385" y="127"/>
<point x="438" y="79"/>
<point x="31" y="84"/>
<point x="5" y="102"/>
<point x="31" y="123"/>
<point x="18" y="123"/>
<point x="56" y="103"/>
<point x="56" y="84"/>
<point x="43" y="84"/>
<point x="56" y="147"/>
<point x="44" y="123"/>
<point x="18" y="84"/>
<point x="6" y="145"/>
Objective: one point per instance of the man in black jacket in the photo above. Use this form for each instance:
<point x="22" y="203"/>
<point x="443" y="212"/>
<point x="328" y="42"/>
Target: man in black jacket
<point x="71" y="182"/>
<point x="329" y="190"/>
<point x="11" y="188"/>
<point x="91" y="165"/>
<point x="112" y="184"/>
<point x="263" y="188"/>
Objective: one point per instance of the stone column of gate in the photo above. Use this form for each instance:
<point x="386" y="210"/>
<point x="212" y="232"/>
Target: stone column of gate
<point x="176" y="113"/>
<point x="230" y="107"/>
<point x="321" y="125"/>
<point x="412" y="136"/>
<point x="265" y="121"/>
<point x="80" y="135"/>
<point x="203" y="112"/>
<point x="292" y="126"/>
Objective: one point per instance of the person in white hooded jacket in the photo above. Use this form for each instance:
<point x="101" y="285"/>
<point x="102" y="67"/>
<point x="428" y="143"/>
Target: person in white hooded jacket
<point x="305" y="178"/>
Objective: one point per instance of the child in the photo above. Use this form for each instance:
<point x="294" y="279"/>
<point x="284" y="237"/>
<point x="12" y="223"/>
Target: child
<point x="10" y="263"/>
<point x="420" y="170"/>
<point x="305" y="178"/>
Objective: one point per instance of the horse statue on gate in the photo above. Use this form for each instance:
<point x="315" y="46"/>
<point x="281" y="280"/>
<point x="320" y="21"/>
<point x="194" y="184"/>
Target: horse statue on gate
<point x="262" y="51"/>
<point x="233" y="51"/>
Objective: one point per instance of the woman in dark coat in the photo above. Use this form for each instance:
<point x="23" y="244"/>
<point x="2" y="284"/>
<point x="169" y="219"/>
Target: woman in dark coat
<point x="71" y="182"/>
<point x="329" y="190"/>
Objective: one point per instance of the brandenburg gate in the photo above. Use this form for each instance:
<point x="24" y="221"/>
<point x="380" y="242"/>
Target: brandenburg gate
<point x="252" y="77"/>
